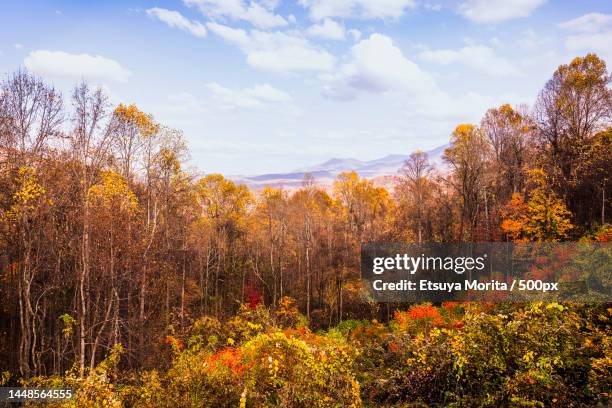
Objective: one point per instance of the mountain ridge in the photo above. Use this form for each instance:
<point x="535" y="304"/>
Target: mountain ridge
<point x="325" y="172"/>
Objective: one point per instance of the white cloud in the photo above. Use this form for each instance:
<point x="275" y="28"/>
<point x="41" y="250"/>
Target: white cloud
<point x="276" y="51"/>
<point x="591" y="32"/>
<point x="17" y="46"/>
<point x="327" y="29"/>
<point x="255" y="97"/>
<point x="268" y="93"/>
<point x="64" y="65"/>
<point x="376" y="65"/>
<point x="495" y="11"/>
<point x="177" y="20"/>
<point x="599" y="42"/>
<point x="365" y="9"/>
<point x="589" y="23"/>
<point x="258" y="13"/>
<point x="480" y="58"/>
<point x="440" y="106"/>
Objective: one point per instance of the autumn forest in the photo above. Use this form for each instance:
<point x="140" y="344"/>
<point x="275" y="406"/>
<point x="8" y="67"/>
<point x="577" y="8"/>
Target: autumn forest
<point x="140" y="282"/>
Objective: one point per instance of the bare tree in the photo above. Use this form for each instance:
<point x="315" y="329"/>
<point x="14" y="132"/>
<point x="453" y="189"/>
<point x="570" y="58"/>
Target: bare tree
<point x="468" y="157"/>
<point x="415" y="172"/>
<point x="30" y="117"/>
<point x="31" y="113"/>
<point x="89" y="143"/>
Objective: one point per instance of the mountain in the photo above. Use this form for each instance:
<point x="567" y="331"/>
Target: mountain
<point x="380" y="170"/>
<point x="335" y="165"/>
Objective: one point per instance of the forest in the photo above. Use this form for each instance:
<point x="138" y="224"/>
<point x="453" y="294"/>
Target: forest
<point x="139" y="282"/>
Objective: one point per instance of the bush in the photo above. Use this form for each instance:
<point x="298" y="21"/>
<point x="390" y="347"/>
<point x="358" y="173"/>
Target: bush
<point x="285" y="371"/>
<point x="455" y="355"/>
<point x="94" y="390"/>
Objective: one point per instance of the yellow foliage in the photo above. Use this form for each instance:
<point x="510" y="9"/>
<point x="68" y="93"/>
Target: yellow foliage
<point x="362" y="202"/>
<point x="464" y="130"/>
<point x="222" y="199"/>
<point x="113" y="193"/>
<point x="29" y="195"/>
<point x="29" y="189"/>
<point x="544" y="217"/>
<point x="131" y="115"/>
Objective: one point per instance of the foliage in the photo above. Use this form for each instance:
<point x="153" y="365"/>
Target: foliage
<point x="29" y="196"/>
<point x="536" y="354"/>
<point x="288" y="314"/>
<point x="113" y="194"/>
<point x="227" y="297"/>
<point x="543" y="218"/>
<point x="286" y="371"/>
<point x="94" y="390"/>
<point x="130" y="115"/>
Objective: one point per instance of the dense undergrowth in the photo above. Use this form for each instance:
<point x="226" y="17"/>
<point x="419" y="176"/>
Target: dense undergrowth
<point x="454" y="354"/>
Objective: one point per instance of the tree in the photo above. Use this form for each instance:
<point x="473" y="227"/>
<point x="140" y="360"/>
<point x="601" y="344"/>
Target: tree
<point x="132" y="130"/>
<point x="364" y="205"/>
<point x="112" y="205"/>
<point x="273" y="209"/>
<point x="225" y="204"/>
<point x="416" y="172"/>
<point x="89" y="144"/>
<point x="574" y="104"/>
<point x="468" y="157"/>
<point x="30" y="202"/>
<point x="508" y="132"/>
<point x="543" y="218"/>
<point x="31" y="113"/>
<point x="106" y="237"/>
<point x="167" y="202"/>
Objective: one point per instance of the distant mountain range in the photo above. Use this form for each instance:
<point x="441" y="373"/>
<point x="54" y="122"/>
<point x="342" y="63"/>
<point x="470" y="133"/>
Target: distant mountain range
<point x="380" y="170"/>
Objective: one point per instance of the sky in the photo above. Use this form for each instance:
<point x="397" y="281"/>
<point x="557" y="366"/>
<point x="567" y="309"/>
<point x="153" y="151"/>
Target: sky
<point x="263" y="86"/>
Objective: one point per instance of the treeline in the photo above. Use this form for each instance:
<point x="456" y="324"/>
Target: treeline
<point x="106" y="238"/>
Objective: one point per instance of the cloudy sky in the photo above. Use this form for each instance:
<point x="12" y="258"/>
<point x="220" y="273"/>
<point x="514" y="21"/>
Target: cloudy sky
<point x="273" y="85"/>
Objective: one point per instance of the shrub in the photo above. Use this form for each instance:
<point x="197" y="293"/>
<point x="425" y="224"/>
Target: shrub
<point x="285" y="371"/>
<point x="94" y="390"/>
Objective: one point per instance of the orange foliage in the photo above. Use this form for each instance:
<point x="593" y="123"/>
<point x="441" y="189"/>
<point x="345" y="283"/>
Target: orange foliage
<point x="457" y="324"/>
<point x="513" y="223"/>
<point x="450" y="306"/>
<point x="604" y="236"/>
<point x="418" y="313"/>
<point x="229" y="357"/>
<point x="175" y="343"/>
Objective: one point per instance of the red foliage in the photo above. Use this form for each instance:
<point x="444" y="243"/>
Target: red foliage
<point x="253" y="297"/>
<point x="228" y="357"/>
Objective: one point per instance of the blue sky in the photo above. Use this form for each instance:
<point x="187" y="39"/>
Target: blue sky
<point x="271" y="85"/>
